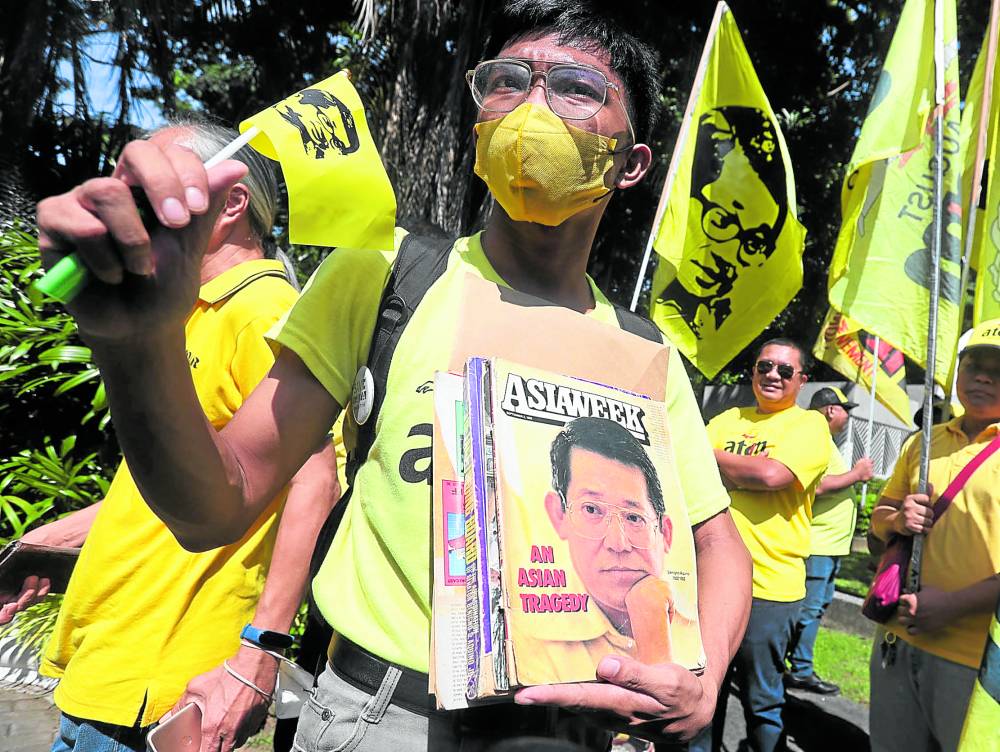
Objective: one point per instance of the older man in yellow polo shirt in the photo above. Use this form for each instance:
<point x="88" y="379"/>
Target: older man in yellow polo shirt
<point x="833" y="522"/>
<point x="146" y="623"/>
<point x="923" y="666"/>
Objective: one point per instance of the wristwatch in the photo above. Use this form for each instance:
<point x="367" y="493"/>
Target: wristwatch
<point x="267" y="638"/>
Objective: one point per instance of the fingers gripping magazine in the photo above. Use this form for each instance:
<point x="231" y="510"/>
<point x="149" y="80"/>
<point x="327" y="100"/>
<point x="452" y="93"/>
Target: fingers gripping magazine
<point x="576" y="520"/>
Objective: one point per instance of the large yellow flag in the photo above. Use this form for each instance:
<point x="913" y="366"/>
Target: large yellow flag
<point x="338" y="190"/>
<point x="847" y="348"/>
<point x="879" y="271"/>
<point x="985" y="251"/>
<point x="968" y="137"/>
<point x="729" y="241"/>
<point x="981" y="732"/>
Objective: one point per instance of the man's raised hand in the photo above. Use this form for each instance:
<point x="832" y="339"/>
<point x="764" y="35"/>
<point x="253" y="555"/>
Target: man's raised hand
<point x="141" y="280"/>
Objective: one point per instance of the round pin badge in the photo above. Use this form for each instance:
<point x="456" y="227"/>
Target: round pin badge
<point x="363" y="395"/>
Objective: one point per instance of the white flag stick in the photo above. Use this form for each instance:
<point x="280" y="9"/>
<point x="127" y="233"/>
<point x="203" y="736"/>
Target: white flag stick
<point x="675" y="158"/>
<point x="871" y="420"/>
<point x="232" y="147"/>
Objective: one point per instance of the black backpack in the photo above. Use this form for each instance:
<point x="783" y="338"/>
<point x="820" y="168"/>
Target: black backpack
<point x="419" y="263"/>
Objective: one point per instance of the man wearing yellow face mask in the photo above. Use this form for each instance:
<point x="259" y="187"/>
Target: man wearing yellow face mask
<point x="563" y="106"/>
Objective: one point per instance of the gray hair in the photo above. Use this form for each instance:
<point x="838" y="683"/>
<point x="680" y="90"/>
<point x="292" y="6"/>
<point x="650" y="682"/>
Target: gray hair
<point x="207" y="139"/>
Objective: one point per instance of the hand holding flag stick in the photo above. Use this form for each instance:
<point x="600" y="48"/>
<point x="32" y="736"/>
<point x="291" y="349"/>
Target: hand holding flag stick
<point x="934" y="282"/>
<point x="67" y="277"/>
<point x="321" y="138"/>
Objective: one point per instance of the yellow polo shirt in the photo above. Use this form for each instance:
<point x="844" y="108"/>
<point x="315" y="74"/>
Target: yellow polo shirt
<point x="963" y="547"/>
<point x="374" y="585"/>
<point x="834" y="514"/>
<point x="142" y="616"/>
<point x="775" y="525"/>
<point x="583" y="641"/>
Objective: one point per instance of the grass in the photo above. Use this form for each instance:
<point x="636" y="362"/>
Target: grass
<point x="264" y="741"/>
<point x="856" y="571"/>
<point x="843" y="659"/>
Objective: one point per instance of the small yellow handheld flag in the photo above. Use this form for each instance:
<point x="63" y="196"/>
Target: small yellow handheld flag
<point x="847" y="348"/>
<point x="730" y="244"/>
<point x="338" y="190"/>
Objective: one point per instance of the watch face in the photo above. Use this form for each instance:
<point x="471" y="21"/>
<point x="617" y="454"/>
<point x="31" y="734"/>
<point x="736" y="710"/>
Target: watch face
<point x="267" y="638"/>
<point x="275" y="639"/>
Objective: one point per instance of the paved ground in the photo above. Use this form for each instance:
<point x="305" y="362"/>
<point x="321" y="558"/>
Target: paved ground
<point x="814" y="723"/>
<point x="27" y="724"/>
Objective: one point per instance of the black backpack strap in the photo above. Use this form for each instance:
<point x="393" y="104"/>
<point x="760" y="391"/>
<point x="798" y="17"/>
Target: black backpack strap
<point x="638" y="325"/>
<point x="419" y="263"/>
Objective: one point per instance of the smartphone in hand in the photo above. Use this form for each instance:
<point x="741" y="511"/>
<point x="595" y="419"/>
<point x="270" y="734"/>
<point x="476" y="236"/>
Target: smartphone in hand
<point x="181" y="732"/>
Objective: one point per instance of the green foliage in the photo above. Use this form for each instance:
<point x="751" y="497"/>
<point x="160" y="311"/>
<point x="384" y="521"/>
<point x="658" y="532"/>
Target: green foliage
<point x="49" y="387"/>
<point x="53" y="412"/>
<point x="875" y="486"/>
<point x="856" y="572"/>
<point x="33" y="626"/>
<point x="40" y="354"/>
<point x="45" y="483"/>
<point x="843" y="659"/>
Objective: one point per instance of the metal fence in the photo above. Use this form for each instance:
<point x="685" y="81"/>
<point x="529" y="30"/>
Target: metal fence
<point x="887" y="443"/>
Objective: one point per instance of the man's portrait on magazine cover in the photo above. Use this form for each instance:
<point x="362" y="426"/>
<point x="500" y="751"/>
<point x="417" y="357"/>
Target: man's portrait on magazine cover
<point x="607" y="506"/>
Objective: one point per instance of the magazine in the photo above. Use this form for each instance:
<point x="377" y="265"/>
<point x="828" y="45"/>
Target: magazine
<point x="578" y="521"/>
<point x="447" y="669"/>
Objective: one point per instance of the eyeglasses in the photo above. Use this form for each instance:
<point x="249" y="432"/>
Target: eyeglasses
<point x="573" y="91"/>
<point x="592" y="519"/>
<point x="785" y="370"/>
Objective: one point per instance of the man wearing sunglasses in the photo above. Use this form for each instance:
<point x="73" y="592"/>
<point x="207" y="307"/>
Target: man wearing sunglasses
<point x="563" y="106"/>
<point x="772" y="456"/>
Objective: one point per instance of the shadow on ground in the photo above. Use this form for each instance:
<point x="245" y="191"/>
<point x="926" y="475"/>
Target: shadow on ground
<point x="812" y="727"/>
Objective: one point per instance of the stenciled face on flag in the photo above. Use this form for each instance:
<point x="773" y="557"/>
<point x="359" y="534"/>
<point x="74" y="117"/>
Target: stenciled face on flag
<point x="321" y="138"/>
<point x="737" y="209"/>
<point x="323" y="122"/>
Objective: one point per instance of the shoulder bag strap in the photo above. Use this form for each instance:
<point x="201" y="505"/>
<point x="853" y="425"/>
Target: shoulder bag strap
<point x="944" y="501"/>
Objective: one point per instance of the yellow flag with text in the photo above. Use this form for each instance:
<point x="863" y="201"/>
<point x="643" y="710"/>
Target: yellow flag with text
<point x="985" y="250"/>
<point x="338" y="191"/>
<point x="850" y="350"/>
<point x="730" y="243"/>
<point x="879" y="271"/>
<point x="968" y="137"/>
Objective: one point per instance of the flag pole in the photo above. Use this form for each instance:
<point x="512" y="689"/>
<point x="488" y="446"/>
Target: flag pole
<point x="977" y="169"/>
<point x="934" y="283"/>
<point x="675" y="158"/>
<point x="871" y="422"/>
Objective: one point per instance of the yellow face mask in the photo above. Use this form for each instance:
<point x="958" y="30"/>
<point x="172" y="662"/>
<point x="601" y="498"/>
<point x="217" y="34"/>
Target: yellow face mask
<point x="539" y="168"/>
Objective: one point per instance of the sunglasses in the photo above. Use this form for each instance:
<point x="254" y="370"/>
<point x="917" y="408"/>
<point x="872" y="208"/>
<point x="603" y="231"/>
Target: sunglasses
<point x="785" y="370"/>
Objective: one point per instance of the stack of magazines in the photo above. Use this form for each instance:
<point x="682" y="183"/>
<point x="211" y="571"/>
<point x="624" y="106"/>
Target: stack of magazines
<point x="560" y="533"/>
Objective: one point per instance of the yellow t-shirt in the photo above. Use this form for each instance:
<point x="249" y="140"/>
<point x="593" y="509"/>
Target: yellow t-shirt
<point x="775" y="524"/>
<point x="142" y="616"/>
<point x="963" y="547"/>
<point x="834" y="514"/>
<point x="374" y="586"/>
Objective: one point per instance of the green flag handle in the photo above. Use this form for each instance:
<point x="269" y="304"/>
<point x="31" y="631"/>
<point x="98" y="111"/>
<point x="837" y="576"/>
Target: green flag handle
<point x="67" y="278"/>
